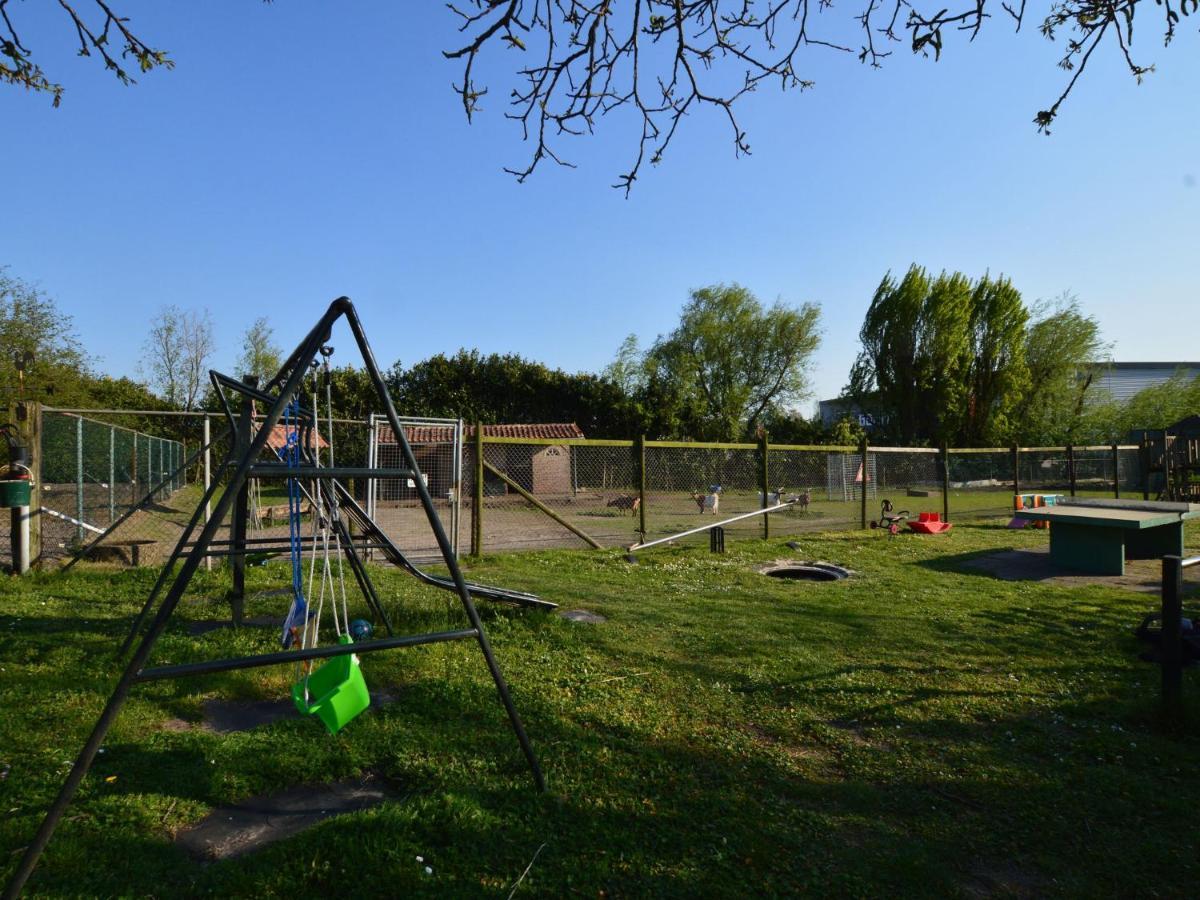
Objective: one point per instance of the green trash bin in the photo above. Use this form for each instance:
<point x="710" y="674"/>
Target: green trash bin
<point x="14" y="492"/>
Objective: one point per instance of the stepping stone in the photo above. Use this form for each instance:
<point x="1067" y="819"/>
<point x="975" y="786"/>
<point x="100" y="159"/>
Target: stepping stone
<point x="230" y="716"/>
<point x="241" y="828"/>
<point x="582" y="615"/>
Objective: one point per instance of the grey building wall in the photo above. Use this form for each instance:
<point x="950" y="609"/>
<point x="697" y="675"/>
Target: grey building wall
<point x="1121" y="380"/>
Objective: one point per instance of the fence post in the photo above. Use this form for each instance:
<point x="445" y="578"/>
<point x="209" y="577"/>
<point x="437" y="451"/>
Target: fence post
<point x="641" y="458"/>
<point x="862" y="491"/>
<point x="1166" y="491"/>
<point x="1116" y="456"/>
<point x="112" y="473"/>
<point x="765" y="478"/>
<point x="946" y="482"/>
<point x="1144" y="463"/>
<point x="207" y="436"/>
<point x="1171" y="637"/>
<point x="26" y="521"/>
<point x="477" y="502"/>
<point x="1016" y="464"/>
<point x="79" y="476"/>
<point x="1071" y="467"/>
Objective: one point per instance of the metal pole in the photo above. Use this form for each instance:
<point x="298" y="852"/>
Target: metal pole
<point x="207" y="437"/>
<point x="1071" y="467"/>
<point x="477" y="500"/>
<point x="862" y="510"/>
<point x="20" y="539"/>
<point x="439" y="533"/>
<point x="241" y="510"/>
<point x="721" y="524"/>
<point x="79" y="477"/>
<point x="112" y="474"/>
<point x="945" y="482"/>
<point x="1171" y="638"/>
<point x="764" y="480"/>
<point x="641" y="461"/>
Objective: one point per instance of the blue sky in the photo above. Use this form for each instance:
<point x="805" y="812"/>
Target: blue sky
<point x="302" y="150"/>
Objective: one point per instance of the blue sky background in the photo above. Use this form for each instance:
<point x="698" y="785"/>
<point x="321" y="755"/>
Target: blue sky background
<point x="303" y="150"/>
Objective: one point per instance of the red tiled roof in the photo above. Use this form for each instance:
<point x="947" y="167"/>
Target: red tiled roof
<point x="277" y="439"/>
<point x="441" y="434"/>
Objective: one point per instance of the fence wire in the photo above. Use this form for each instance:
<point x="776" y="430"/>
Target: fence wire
<point x="536" y="493"/>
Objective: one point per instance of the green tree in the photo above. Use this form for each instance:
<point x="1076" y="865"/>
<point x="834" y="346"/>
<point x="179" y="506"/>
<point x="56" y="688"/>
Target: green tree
<point x="1062" y="347"/>
<point x="39" y="339"/>
<point x="912" y="371"/>
<point x="731" y="362"/>
<point x="943" y="359"/>
<point x="509" y="388"/>
<point x="997" y="374"/>
<point x="260" y="355"/>
<point x="176" y="354"/>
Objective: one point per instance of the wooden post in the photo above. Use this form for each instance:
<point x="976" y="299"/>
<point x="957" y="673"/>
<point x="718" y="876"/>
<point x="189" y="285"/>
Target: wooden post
<point x="1116" y="457"/>
<point x="1171" y="637"/>
<point x="27" y="414"/>
<point x="477" y="502"/>
<point x="641" y="465"/>
<point x="1166" y="490"/>
<point x="1016" y="462"/>
<point x="1071" y="467"/>
<point x="578" y="532"/>
<point x="764" y="478"/>
<point x="241" y="509"/>
<point x="945" y="482"/>
<point x="1144" y="462"/>
<point x="862" y="491"/>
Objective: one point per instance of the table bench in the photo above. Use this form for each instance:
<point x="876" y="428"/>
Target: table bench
<point x="1097" y="536"/>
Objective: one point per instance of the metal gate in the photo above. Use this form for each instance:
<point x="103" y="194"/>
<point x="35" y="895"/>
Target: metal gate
<point x="393" y="502"/>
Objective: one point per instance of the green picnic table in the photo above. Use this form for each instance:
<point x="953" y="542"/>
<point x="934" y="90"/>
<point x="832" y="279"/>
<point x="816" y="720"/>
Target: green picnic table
<point x="1097" y="536"/>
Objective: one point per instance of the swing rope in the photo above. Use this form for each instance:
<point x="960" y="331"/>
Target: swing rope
<point x="324" y="511"/>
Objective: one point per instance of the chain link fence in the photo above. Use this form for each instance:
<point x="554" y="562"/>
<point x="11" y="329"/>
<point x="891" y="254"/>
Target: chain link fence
<point x="146" y="472"/>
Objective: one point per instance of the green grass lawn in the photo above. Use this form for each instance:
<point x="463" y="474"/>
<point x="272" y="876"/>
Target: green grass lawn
<point x="918" y="729"/>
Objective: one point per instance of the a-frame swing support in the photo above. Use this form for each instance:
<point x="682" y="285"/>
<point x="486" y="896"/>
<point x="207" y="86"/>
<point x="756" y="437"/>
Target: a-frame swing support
<point x="288" y="383"/>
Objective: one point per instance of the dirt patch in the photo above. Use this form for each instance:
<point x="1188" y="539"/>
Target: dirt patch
<point x="239" y="829"/>
<point x="1144" y="575"/>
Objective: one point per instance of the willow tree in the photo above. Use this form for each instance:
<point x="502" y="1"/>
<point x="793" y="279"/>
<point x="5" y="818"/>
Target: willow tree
<point x="942" y="358"/>
<point x="732" y="361"/>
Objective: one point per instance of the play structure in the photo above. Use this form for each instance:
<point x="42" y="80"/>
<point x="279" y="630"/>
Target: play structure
<point x="1172" y="460"/>
<point x="1097" y="536"/>
<point x="335" y="692"/>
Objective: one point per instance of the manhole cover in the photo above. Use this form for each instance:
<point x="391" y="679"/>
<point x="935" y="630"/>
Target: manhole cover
<point x="805" y="571"/>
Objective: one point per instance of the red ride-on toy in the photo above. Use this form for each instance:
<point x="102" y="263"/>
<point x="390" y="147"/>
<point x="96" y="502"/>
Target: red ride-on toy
<point x="890" y="518"/>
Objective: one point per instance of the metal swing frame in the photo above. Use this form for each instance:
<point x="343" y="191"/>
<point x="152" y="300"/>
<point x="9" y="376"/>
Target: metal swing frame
<point x="243" y="464"/>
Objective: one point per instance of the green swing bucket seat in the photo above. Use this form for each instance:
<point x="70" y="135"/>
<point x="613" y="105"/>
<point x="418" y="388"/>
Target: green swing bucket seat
<point x="336" y="692"/>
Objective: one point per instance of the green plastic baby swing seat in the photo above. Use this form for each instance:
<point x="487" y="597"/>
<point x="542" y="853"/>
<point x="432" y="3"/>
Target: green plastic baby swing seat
<point x="337" y="691"/>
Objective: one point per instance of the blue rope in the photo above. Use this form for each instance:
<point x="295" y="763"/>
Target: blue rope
<point x="298" y="614"/>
